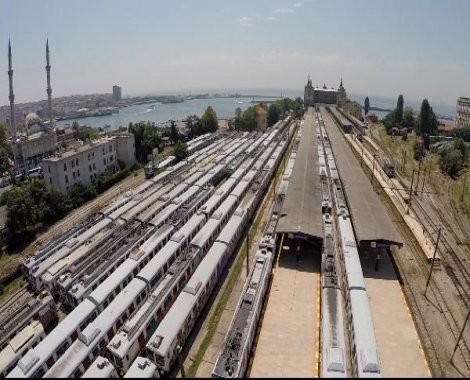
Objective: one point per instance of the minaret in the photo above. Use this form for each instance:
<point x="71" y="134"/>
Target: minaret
<point x="49" y="89"/>
<point x="12" y="96"/>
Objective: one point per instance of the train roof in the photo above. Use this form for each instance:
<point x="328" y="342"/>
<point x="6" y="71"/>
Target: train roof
<point x="79" y="350"/>
<point x="29" y="332"/>
<point x="370" y="219"/>
<point x="301" y="211"/>
<point x="100" y="368"/>
<point x="176" y="316"/>
<point x="228" y="232"/>
<point x="364" y="336"/>
<point x="35" y="357"/>
<point x="141" y="368"/>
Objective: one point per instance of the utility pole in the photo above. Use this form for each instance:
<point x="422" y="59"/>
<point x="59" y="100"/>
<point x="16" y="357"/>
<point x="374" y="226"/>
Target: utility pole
<point x="411" y="193"/>
<point x="424" y="180"/>
<point x="419" y="172"/>
<point x="463" y="188"/>
<point x="433" y="259"/>
<point x="460" y="336"/>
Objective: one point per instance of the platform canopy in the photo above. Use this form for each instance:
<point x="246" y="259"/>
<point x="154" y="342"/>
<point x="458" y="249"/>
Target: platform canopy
<point x="301" y="211"/>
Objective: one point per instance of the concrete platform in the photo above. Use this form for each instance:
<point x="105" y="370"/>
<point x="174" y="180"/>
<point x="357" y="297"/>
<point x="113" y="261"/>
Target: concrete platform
<point x="288" y="343"/>
<point x="400" y="350"/>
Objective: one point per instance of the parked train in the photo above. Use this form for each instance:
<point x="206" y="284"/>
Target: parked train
<point x="172" y="332"/>
<point x="126" y="345"/>
<point x="234" y="355"/>
<point x="36" y="362"/>
<point x="362" y="342"/>
<point x="333" y="361"/>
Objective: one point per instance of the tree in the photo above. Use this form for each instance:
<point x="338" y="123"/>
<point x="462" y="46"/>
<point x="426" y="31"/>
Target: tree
<point x="427" y="121"/>
<point x="79" y="194"/>
<point x="298" y="107"/>
<point x="238" y="119"/>
<point x="209" y="121"/>
<point x="366" y="105"/>
<point x="54" y="205"/>
<point x="248" y="122"/>
<point x="22" y="212"/>
<point x="174" y="132"/>
<point x="273" y="114"/>
<point x="451" y="161"/>
<point x="181" y="150"/>
<point x="147" y="138"/>
<point x="459" y="145"/>
<point x="408" y="121"/>
<point x="5" y="150"/>
<point x="399" y="110"/>
<point x="37" y="189"/>
<point x="389" y="121"/>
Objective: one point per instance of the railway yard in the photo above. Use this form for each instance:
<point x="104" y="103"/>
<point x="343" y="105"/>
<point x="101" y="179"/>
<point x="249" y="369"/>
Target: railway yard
<point x="284" y="253"/>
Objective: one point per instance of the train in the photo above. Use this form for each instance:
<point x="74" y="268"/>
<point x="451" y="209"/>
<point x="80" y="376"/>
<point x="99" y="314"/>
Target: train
<point x="41" y="359"/>
<point x="126" y="345"/>
<point x="234" y="355"/>
<point x="172" y="332"/>
<point x="28" y="337"/>
<point x="361" y="338"/>
<point x="333" y="335"/>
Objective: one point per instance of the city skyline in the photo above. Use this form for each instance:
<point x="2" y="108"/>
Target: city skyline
<point x="165" y="47"/>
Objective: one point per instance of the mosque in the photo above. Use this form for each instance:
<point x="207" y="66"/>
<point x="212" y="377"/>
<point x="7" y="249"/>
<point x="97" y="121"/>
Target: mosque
<point x="37" y="138"/>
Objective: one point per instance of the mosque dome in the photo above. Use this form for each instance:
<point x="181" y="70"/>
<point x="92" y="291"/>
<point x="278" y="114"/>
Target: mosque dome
<point x="31" y="119"/>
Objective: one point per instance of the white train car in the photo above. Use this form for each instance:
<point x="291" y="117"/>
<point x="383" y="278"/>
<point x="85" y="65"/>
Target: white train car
<point x="101" y="368"/>
<point x="126" y="345"/>
<point x="103" y="328"/>
<point x="28" y="337"/>
<point x="175" y="327"/>
<point x="234" y="355"/>
<point x="177" y="324"/>
<point x="142" y="368"/>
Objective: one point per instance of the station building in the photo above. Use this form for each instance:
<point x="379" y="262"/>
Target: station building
<point x="85" y="163"/>
<point x="323" y="95"/>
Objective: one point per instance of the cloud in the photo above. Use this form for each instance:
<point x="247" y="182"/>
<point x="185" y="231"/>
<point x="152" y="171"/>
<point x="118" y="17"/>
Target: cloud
<point x="283" y="10"/>
<point x="298" y="4"/>
<point x="270" y="18"/>
<point x="245" y="21"/>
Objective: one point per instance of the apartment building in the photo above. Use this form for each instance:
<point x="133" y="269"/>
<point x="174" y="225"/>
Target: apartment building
<point x="85" y="163"/>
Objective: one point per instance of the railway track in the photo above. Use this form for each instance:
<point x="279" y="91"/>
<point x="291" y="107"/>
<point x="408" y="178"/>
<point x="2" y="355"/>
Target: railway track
<point x="14" y="303"/>
<point x="460" y="279"/>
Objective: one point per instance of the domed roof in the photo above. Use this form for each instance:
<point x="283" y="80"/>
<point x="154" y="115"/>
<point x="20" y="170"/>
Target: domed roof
<point x="31" y="119"/>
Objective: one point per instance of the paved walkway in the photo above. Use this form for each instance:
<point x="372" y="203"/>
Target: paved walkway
<point x="288" y="340"/>
<point x="400" y="350"/>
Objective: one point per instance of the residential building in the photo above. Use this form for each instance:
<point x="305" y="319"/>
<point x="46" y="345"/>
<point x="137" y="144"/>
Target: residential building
<point x="85" y="163"/>
<point x="117" y="93"/>
<point x="463" y="112"/>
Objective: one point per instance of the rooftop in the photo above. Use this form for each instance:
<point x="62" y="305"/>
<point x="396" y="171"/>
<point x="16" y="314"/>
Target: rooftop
<point x="301" y="212"/>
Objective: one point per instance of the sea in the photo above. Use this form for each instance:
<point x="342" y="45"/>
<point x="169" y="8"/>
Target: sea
<point x="224" y="107"/>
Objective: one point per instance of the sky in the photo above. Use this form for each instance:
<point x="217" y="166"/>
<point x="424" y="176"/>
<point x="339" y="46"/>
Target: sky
<point x="419" y="48"/>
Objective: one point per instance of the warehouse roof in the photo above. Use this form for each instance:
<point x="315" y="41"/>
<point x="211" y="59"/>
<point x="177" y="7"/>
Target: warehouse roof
<point x="301" y="211"/>
<point x="370" y="219"/>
